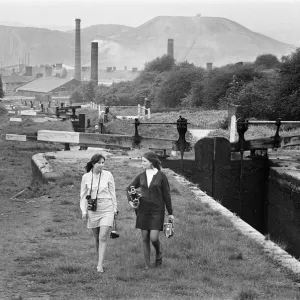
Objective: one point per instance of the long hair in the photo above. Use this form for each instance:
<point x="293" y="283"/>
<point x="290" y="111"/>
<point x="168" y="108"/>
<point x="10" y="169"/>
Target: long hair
<point x="95" y="158"/>
<point x="153" y="158"/>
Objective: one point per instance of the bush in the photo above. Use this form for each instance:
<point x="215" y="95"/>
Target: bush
<point x="267" y="61"/>
<point x="177" y="86"/>
<point x="288" y="100"/>
<point x="160" y="64"/>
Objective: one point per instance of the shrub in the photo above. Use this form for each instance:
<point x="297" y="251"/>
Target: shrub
<point x="267" y="61"/>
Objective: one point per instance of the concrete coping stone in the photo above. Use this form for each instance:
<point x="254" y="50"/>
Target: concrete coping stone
<point x="270" y="248"/>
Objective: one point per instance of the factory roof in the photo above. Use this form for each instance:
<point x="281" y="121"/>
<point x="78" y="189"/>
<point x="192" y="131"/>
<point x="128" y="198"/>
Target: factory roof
<point x="46" y="84"/>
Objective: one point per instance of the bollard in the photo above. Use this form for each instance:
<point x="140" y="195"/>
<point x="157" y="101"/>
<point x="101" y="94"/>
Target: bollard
<point x="101" y="125"/>
<point x="182" y="145"/>
<point x="88" y="123"/>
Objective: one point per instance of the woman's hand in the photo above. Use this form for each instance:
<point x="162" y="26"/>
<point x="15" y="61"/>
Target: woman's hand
<point x="84" y="217"/>
<point x="171" y="218"/>
<point x="116" y="213"/>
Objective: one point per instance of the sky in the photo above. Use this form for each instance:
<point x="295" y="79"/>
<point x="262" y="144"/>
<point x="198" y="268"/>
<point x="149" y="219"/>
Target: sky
<point x="277" y="19"/>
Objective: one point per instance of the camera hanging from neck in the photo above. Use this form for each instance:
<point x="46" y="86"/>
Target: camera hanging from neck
<point x="92" y="184"/>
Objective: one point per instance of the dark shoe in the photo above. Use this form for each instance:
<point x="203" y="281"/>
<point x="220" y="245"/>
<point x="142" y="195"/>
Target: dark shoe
<point x="158" y="261"/>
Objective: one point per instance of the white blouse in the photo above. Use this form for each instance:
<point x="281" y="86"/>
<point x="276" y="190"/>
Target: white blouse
<point x="106" y="188"/>
<point x="150" y="173"/>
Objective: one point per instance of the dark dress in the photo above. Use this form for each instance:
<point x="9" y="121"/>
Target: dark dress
<point x="154" y="199"/>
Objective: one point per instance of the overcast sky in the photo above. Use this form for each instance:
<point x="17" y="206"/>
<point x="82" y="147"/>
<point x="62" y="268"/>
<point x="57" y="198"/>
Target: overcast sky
<point x="277" y="19"/>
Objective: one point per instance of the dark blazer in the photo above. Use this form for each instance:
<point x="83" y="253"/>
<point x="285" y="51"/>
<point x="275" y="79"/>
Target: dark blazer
<point x="155" y="197"/>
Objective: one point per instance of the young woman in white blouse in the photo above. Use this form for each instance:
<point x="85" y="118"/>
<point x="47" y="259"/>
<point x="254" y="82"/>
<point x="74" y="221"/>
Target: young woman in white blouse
<point x="99" y="184"/>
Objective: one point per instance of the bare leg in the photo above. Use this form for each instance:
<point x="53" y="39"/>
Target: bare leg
<point x="154" y="238"/>
<point x="146" y="246"/>
<point x="103" y="235"/>
<point x="96" y="236"/>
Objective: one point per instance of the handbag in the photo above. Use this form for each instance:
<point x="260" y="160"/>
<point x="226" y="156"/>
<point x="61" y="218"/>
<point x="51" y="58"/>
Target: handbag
<point x="114" y="234"/>
<point x="92" y="203"/>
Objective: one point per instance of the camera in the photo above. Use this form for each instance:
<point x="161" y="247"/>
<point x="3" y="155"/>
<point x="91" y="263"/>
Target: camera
<point x="92" y="203"/>
<point x="169" y="229"/>
<point x="134" y="197"/>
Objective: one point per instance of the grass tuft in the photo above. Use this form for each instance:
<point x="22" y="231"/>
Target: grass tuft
<point x="68" y="269"/>
<point x="236" y="256"/>
<point x="247" y="295"/>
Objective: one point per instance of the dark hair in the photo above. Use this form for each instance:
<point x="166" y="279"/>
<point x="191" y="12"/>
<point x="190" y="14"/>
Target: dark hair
<point x="95" y="158"/>
<point x="153" y="158"/>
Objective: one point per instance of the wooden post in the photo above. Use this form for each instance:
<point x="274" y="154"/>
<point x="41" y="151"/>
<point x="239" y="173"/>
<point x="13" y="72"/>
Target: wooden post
<point x="149" y="116"/>
<point x="81" y="123"/>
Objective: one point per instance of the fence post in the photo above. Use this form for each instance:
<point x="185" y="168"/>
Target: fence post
<point x="99" y="111"/>
<point x="149" y="114"/>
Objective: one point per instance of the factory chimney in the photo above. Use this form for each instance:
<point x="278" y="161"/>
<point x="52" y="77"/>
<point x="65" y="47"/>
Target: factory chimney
<point x="171" y="48"/>
<point x="77" y="51"/>
<point x="94" y="62"/>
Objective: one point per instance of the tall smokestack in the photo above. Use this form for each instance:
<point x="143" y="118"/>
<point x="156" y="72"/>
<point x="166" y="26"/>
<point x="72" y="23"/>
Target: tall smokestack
<point x="209" y="66"/>
<point x="94" y="62"/>
<point x="171" y="48"/>
<point x="77" y="51"/>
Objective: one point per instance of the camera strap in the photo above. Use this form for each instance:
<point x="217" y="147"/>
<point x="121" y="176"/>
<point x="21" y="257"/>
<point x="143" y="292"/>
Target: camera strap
<point x="92" y="184"/>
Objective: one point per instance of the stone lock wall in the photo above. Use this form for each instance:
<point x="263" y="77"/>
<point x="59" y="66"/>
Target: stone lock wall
<point x="267" y="196"/>
<point x="239" y="185"/>
<point x="284" y="206"/>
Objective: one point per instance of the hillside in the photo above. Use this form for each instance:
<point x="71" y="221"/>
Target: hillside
<point x="196" y="39"/>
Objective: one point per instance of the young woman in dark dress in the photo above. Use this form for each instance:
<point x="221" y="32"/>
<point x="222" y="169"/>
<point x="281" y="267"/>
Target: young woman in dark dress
<point x="155" y="197"/>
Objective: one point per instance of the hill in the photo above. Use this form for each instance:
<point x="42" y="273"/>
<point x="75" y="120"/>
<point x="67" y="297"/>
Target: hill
<point x="196" y="39"/>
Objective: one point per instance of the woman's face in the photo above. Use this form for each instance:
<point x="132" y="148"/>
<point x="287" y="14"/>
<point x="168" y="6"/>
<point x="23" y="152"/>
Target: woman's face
<point x="146" y="164"/>
<point x="98" y="166"/>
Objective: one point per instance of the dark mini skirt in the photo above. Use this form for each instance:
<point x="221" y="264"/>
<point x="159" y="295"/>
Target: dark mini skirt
<point x="150" y="220"/>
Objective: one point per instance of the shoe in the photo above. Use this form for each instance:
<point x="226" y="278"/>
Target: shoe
<point x="100" y="270"/>
<point x="158" y="260"/>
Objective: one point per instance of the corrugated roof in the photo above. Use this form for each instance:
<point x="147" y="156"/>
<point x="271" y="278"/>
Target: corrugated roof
<point x="44" y="84"/>
<point x="14" y="78"/>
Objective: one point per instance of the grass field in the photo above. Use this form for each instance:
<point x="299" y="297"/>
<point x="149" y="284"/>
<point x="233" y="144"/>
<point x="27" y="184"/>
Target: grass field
<point x="47" y="252"/>
<point x="50" y="251"/>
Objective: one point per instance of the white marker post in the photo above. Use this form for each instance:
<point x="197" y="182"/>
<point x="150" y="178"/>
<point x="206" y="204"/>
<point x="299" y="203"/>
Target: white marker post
<point x="232" y="129"/>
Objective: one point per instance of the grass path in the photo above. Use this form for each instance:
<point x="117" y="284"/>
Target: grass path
<point x="51" y="254"/>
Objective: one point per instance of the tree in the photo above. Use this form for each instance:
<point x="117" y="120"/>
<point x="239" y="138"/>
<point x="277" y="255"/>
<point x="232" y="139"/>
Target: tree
<point x="1" y="88"/>
<point x="77" y="96"/>
<point x="177" y="86"/>
<point x="256" y="99"/>
<point x="89" y="91"/>
<point x="287" y="103"/>
<point x="160" y="64"/>
<point x="267" y="61"/>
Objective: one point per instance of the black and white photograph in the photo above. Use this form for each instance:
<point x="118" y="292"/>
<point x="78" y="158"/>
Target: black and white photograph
<point x="149" y="149"/>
